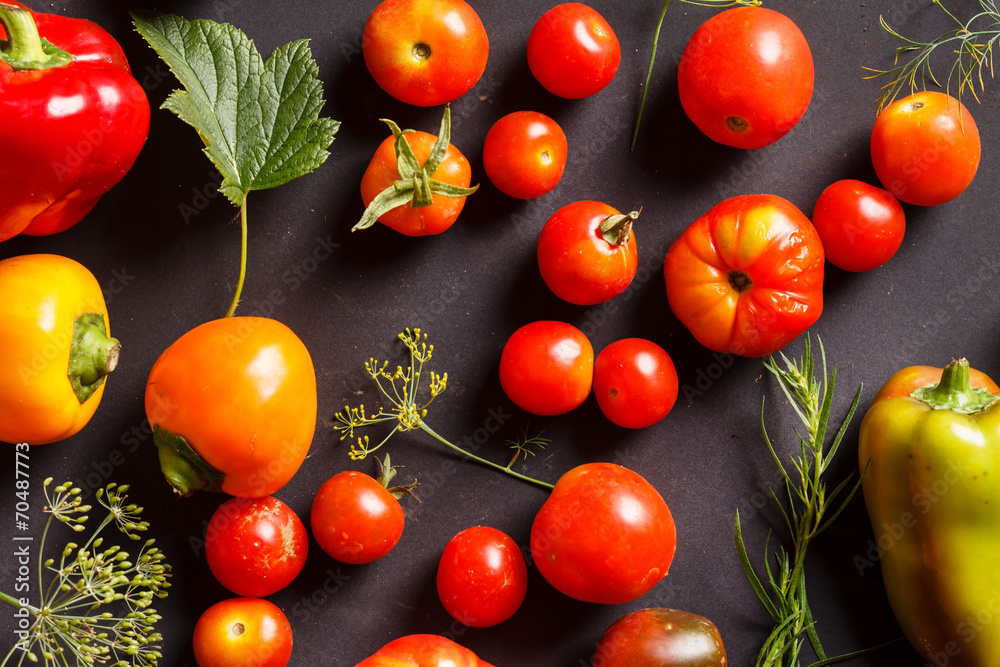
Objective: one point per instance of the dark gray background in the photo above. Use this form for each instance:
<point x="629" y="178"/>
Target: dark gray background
<point x="472" y="286"/>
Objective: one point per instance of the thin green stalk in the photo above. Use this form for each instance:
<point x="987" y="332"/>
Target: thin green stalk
<point x="427" y="429"/>
<point x="243" y="256"/>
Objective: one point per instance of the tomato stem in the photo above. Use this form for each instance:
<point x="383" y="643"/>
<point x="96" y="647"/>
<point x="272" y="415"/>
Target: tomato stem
<point x="243" y="256"/>
<point x="954" y="392"/>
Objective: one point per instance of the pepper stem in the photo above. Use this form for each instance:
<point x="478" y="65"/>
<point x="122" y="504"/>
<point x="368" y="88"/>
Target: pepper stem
<point x="616" y="229"/>
<point x="954" y="392"/>
<point x="92" y="355"/>
<point x="183" y="467"/>
<point x="24" y="49"/>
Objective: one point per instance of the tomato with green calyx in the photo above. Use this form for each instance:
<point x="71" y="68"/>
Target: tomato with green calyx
<point x="547" y="367"/>
<point x="232" y="405"/>
<point x="425" y="52"/>
<point x="604" y="535"/>
<point x="524" y="154"/>
<point x="746" y="77"/>
<point x="635" y="382"/>
<point x="55" y="348"/>
<point x="482" y="578"/>
<point x="926" y="148"/>
<point x="659" y="637"/>
<point x="243" y="632"/>
<point x="747" y="277"/>
<point x="416" y="183"/>
<point x="572" y="51"/>
<point x="861" y="226"/>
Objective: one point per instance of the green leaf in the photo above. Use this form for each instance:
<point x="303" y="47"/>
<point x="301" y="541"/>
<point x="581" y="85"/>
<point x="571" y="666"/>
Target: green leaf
<point x="259" y="120"/>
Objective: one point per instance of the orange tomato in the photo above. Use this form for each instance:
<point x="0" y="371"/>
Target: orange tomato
<point x="243" y="631"/>
<point x="55" y="349"/>
<point x="232" y="404"/>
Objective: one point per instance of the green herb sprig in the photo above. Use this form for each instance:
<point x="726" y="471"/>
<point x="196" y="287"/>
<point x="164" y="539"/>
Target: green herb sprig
<point x="402" y="389"/>
<point x="96" y="606"/>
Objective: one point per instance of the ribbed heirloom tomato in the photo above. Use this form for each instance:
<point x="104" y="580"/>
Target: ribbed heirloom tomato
<point x="243" y="632"/>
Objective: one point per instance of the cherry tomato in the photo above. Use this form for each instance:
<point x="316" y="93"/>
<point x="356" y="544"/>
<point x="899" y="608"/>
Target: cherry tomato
<point x="525" y="154"/>
<point x="425" y="52"/>
<point x="635" y="382"/>
<point x="255" y="546"/>
<point x="423" y="651"/>
<point x="482" y="577"/>
<point x="382" y="173"/>
<point x="861" y="226"/>
<point x="925" y="148"/>
<point x="572" y="51"/>
<point x="355" y="519"/>
<point x="661" y="638"/>
<point x="604" y="535"/>
<point x="232" y="404"/>
<point x="243" y="632"/>
<point x="547" y="367"/>
<point x="747" y="277"/>
<point x="746" y="77"/>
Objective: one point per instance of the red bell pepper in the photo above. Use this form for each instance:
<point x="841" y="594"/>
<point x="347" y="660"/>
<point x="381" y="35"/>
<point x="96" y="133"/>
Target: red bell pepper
<point x="72" y="119"/>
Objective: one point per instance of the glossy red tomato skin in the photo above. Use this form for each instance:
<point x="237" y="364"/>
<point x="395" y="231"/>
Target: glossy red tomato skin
<point x="747" y="277"/>
<point x="524" y="154"/>
<point x="423" y="651"/>
<point x="547" y="367"/>
<point x="926" y="148"/>
<point x="440" y="215"/>
<point x="243" y="632"/>
<point x="355" y="519"/>
<point x="861" y="226"/>
<point x="255" y="546"/>
<point x="635" y="382"/>
<point x="572" y="51"/>
<point x="605" y="535"/>
<point x="425" y="52"/>
<point x="577" y="263"/>
<point x="746" y="77"/>
<point x="659" y="637"/>
<point x="482" y="578"/>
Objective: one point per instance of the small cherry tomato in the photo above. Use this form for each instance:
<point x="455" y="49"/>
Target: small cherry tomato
<point x="746" y="77"/>
<point x="255" y="546"/>
<point x="482" y="577"/>
<point x="925" y="148"/>
<point x="661" y="638"/>
<point x="425" y="52"/>
<point x="861" y="226"/>
<point x="547" y="367"/>
<point x="243" y="632"/>
<point x="525" y="154"/>
<point x="572" y="51"/>
<point x="635" y="382"/>
<point x="587" y="253"/>
<point x="747" y="277"/>
<point x="604" y="535"/>
<point x="355" y="519"/>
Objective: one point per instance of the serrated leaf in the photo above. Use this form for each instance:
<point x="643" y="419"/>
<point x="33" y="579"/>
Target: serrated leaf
<point x="259" y="120"/>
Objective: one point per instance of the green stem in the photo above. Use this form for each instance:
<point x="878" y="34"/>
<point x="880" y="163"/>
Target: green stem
<point x="243" y="256"/>
<point x="427" y="429"/>
<point x="93" y="354"/>
<point x="616" y="229"/>
<point x="24" y="49"/>
<point x="14" y="602"/>
<point x="954" y="392"/>
<point x="649" y="75"/>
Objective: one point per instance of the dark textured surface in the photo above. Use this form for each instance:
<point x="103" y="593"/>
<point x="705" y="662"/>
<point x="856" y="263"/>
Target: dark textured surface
<point x="347" y="296"/>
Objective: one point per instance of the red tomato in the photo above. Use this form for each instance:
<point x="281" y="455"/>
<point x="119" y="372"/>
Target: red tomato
<point x="572" y="51"/>
<point x="425" y="52"/>
<point x="525" y="154"/>
<point x="635" y="382"/>
<point x="587" y="253"/>
<point x="746" y="77"/>
<point x="604" y="535"/>
<point x="747" y="277"/>
<point x="423" y="651"/>
<point x="925" y="148"/>
<point x="242" y="632"/>
<point x="382" y="173"/>
<point x="661" y="638"/>
<point x="482" y="577"/>
<point x="861" y="226"/>
<point x="547" y="367"/>
<point x="355" y="519"/>
<point x="255" y="546"/>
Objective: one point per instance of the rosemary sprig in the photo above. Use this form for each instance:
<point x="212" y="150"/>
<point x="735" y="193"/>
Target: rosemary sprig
<point x="67" y="628"/>
<point x="401" y="389"/>
<point x="970" y="43"/>
<point x="718" y="4"/>
<point x="808" y="510"/>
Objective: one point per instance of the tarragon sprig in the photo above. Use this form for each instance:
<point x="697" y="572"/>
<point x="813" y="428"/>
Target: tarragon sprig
<point x="402" y="390"/>
<point x="67" y="626"/>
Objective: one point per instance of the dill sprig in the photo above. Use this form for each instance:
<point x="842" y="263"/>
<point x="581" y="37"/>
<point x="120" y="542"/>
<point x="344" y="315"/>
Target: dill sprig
<point x="401" y="388"/>
<point x="970" y="44"/>
<point x="68" y="625"/>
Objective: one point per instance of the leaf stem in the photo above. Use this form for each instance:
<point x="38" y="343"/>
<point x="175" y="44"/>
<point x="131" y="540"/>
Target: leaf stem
<point x="243" y="256"/>
<point x="427" y="429"/>
<point x="649" y="75"/>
